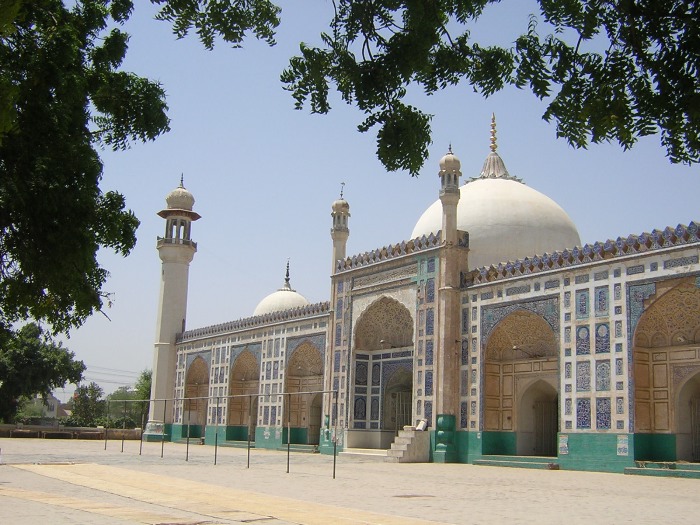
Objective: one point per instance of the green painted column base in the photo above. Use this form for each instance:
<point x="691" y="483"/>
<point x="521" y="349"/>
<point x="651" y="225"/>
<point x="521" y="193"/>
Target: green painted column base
<point x="445" y="448"/>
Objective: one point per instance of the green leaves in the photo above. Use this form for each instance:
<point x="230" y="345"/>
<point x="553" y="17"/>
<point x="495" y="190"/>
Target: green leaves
<point x="32" y="363"/>
<point x="609" y="69"/>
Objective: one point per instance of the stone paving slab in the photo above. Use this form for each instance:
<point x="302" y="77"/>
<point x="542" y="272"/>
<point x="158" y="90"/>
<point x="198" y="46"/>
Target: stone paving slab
<point x="72" y="481"/>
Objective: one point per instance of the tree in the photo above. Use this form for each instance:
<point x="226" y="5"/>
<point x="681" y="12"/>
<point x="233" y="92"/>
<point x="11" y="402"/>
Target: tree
<point x="62" y="96"/>
<point x="608" y="70"/>
<point x="143" y="392"/>
<point x="31" y="363"/>
<point x="88" y="405"/>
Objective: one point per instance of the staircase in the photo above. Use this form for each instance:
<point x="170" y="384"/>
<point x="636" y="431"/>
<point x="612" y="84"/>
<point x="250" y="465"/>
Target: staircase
<point x="410" y="446"/>
<point x="665" y="469"/>
<point x="533" y="462"/>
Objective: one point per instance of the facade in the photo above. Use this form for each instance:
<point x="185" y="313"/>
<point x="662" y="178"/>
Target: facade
<point x="492" y="327"/>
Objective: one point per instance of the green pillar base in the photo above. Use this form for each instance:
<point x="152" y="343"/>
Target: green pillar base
<point x="445" y="449"/>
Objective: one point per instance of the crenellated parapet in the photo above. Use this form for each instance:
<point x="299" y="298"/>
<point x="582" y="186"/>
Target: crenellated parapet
<point x="256" y="320"/>
<point x="598" y="251"/>
<point x="394" y="251"/>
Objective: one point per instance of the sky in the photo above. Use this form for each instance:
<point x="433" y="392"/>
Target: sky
<point x="264" y="176"/>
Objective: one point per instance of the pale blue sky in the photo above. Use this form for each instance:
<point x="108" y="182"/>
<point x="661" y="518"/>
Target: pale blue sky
<point x="264" y="177"/>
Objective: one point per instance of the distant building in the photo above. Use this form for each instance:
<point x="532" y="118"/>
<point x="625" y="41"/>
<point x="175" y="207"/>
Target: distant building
<point x="492" y="324"/>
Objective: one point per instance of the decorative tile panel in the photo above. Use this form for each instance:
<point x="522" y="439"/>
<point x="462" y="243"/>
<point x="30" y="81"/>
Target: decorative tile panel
<point x="429" y="321"/>
<point x="360" y="373"/>
<point x="429" y="352"/>
<point x="428" y="383"/>
<point x="618" y="367"/>
<point x="583" y="376"/>
<point x="376" y="371"/>
<point x="620" y="405"/>
<point x="582" y="304"/>
<point x="463" y="415"/>
<point x="583" y="413"/>
<point x="430" y="290"/>
<point x="602" y="375"/>
<point x="374" y="408"/>
<point x="602" y="413"/>
<point x="601" y="300"/>
<point x="617" y="291"/>
<point x="583" y="340"/>
<point x="602" y="338"/>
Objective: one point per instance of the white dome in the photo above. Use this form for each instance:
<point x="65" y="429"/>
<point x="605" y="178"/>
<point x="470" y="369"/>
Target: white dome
<point x="180" y="198"/>
<point x="283" y="299"/>
<point x="506" y="220"/>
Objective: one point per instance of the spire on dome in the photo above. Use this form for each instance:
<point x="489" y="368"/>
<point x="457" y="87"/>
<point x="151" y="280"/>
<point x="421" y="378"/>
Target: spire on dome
<point x="494" y="167"/>
<point x="342" y="189"/>
<point x="287" y="286"/>
<point x="182" y="180"/>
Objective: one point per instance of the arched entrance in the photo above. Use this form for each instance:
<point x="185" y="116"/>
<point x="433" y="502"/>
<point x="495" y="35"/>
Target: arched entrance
<point x="243" y="407"/>
<point x="521" y="377"/>
<point x="398" y="400"/>
<point x="666" y="356"/>
<point x="688" y="420"/>
<point x="196" y="402"/>
<point x="538" y="420"/>
<point x="382" y="374"/>
<point x="303" y="411"/>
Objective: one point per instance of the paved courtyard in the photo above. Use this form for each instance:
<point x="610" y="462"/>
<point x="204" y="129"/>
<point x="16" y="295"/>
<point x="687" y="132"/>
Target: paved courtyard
<point x="79" y="482"/>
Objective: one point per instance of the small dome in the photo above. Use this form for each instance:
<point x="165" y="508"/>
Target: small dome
<point x="341" y="205"/>
<point x="180" y="198"/>
<point x="450" y="163"/>
<point x="283" y="299"/>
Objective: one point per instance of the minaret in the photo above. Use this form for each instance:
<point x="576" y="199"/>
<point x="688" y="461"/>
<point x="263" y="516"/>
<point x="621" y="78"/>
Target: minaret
<point x="176" y="251"/>
<point x="448" y="340"/>
<point x="340" y="231"/>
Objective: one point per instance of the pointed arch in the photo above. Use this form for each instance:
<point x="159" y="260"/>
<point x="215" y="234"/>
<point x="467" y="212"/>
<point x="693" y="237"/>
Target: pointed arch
<point x="386" y="323"/>
<point x="196" y="396"/>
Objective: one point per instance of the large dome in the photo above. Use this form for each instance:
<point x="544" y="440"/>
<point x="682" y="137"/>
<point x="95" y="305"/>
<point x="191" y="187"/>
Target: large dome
<point x="283" y="299"/>
<point x="506" y="219"/>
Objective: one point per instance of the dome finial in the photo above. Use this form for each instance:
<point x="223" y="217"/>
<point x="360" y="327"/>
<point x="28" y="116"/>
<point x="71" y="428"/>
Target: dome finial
<point x="182" y="180"/>
<point x="342" y="189"/>
<point x="449" y="149"/>
<point x="494" y="146"/>
<point x="286" y="277"/>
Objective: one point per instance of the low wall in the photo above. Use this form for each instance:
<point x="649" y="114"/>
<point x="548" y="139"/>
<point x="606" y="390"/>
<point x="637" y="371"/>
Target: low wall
<point x="60" y="432"/>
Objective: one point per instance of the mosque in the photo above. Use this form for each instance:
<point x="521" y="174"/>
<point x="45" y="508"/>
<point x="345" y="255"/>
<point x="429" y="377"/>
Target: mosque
<point x="490" y="335"/>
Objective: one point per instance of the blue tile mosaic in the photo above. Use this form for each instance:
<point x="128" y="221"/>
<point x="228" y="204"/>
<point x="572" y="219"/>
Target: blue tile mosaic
<point x="266" y="416"/>
<point x="682" y="261"/>
<point x="429" y="412"/>
<point x="618" y="347"/>
<point x="620" y="385"/>
<point x="617" y="272"/>
<point x="582" y="311"/>
<point x="419" y="407"/>
<point x="374" y="408"/>
<point x="600" y="276"/>
<point x="428" y="383"/>
<point x="429" y="352"/>
<point x="338" y="334"/>
<point x="633" y="270"/>
<point x="601" y="300"/>
<point x="431" y="265"/>
<point x="430" y="290"/>
<point x="567" y="334"/>
<point x="617" y="292"/>
<point x="618" y="310"/>
<point x="463" y="415"/>
<point x="268" y="370"/>
<point x="602" y="338"/>
<point x="567" y="425"/>
<point x="618" y="367"/>
<point x="473" y="376"/>
<point x="360" y="373"/>
<point x="620" y="425"/>
<point x="602" y="413"/>
<point x="336" y="361"/>
<point x="581" y="279"/>
<point x="465" y="352"/>
<point x="567" y="299"/>
<point x="618" y="328"/>
<point x="653" y="267"/>
<point x="567" y="352"/>
<point x="474" y="314"/>
<point x="376" y="373"/>
<point x="465" y="321"/>
<point x="429" y="321"/>
<point x="568" y="406"/>
<point x="602" y="375"/>
<point x="472" y="409"/>
<point x="567" y="317"/>
<point x="537" y="287"/>
<point x="583" y="376"/>
<point x="554" y="283"/>
<point x="336" y="384"/>
<point x="567" y="388"/>
<point x="620" y="405"/>
<point x="273" y="415"/>
<point x="360" y="407"/>
<point x="567" y="370"/>
<point x="583" y="413"/>
<point x="275" y="370"/>
<point x="474" y="345"/>
<point x="463" y="383"/>
<point x="583" y="340"/>
<point x="339" y="286"/>
<point x="567" y="281"/>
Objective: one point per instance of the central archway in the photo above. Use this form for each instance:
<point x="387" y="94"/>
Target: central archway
<point x="382" y="374"/>
<point x="666" y="356"/>
<point x="196" y="398"/>
<point x="521" y="375"/>
<point x="303" y="410"/>
<point x="244" y="384"/>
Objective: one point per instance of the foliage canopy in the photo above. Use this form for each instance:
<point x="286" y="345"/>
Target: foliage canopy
<point x="32" y="363"/>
